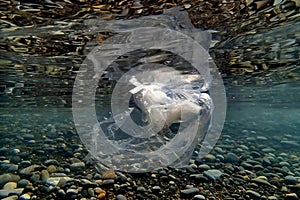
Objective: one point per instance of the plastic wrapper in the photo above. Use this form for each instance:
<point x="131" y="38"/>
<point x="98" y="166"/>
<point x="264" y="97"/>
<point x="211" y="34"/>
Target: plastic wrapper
<point x="162" y="105"/>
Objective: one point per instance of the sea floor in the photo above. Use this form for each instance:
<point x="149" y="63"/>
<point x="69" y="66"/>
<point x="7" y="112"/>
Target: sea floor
<point x="256" y="157"/>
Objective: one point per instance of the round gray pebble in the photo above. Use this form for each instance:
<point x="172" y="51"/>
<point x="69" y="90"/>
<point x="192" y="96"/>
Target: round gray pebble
<point x="77" y="166"/>
<point x="290" y="180"/>
<point x="213" y="174"/>
<point x="121" y="197"/>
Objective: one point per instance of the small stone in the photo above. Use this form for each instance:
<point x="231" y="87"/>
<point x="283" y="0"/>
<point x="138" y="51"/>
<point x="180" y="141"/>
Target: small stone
<point x="199" y="197"/>
<point x="272" y="198"/>
<point x="44" y="176"/>
<point x="4" y="151"/>
<point x="15" y="159"/>
<point x="213" y="174"/>
<point x="51" y="162"/>
<point x="121" y="197"/>
<point x="5" y="193"/>
<point x="71" y="191"/>
<point x="199" y="178"/>
<point x="13" y="168"/>
<point x="28" y="136"/>
<point x="13" y="197"/>
<point x="141" y="189"/>
<point x="209" y="158"/>
<point x="291" y="196"/>
<point x="25" y="197"/>
<point x="109" y="175"/>
<point x="190" y="192"/>
<point x="203" y="167"/>
<point x="77" y="166"/>
<point x="61" y="192"/>
<point x="51" y="169"/>
<point x="263" y="138"/>
<point x="14" y="178"/>
<point x="10" y="186"/>
<point x="283" y="163"/>
<point x="24" y="163"/>
<point x="290" y="180"/>
<point x="4" y="178"/>
<point x="156" y="189"/>
<point x="16" y="151"/>
<point x="290" y="144"/>
<point x="162" y="173"/>
<point x="258" y="167"/>
<point x="35" y="178"/>
<point x="187" y="5"/>
<point x="283" y="189"/>
<point x="28" y="170"/>
<point x="108" y="182"/>
<point x="253" y="194"/>
<point x="23" y="183"/>
<point x="101" y="193"/>
<point x="231" y="158"/>
<point x="91" y="192"/>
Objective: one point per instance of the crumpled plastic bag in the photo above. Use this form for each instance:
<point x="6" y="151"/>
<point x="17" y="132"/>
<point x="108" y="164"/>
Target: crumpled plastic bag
<point x="160" y="113"/>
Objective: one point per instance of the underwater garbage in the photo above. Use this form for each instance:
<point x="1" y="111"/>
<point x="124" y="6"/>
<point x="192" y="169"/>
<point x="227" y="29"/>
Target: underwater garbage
<point x="168" y="99"/>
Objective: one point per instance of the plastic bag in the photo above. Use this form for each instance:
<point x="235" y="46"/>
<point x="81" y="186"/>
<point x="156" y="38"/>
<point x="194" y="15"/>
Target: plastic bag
<point x="162" y="105"/>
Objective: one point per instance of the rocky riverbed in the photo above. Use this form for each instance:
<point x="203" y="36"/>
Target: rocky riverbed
<point x="43" y="158"/>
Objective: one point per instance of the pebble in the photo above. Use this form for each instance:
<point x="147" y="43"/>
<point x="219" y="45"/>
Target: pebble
<point x="25" y="197"/>
<point x="4" y="151"/>
<point x="186" y="193"/>
<point x="203" y="167"/>
<point x="16" y="151"/>
<point x="209" y="158"/>
<point x="5" y="193"/>
<point x="28" y="136"/>
<point x="141" y="189"/>
<point x="253" y="194"/>
<point x="91" y="191"/>
<point x="4" y="178"/>
<point x="35" y="178"/>
<point x="109" y="175"/>
<point x="71" y="191"/>
<point x="51" y="162"/>
<point x="290" y="180"/>
<point x="272" y="198"/>
<point x="291" y="196"/>
<point x="28" y="170"/>
<point x="24" y="164"/>
<point x="108" y="182"/>
<point x="121" y="197"/>
<point x="13" y="197"/>
<point x="12" y="168"/>
<point x="290" y="144"/>
<point x="44" y="176"/>
<point x="101" y="193"/>
<point x="199" y="197"/>
<point x="61" y="192"/>
<point x="23" y="183"/>
<point x="199" y="178"/>
<point x="10" y="186"/>
<point x="156" y="189"/>
<point x="231" y="158"/>
<point x="213" y="174"/>
<point x="77" y="166"/>
<point x="51" y="168"/>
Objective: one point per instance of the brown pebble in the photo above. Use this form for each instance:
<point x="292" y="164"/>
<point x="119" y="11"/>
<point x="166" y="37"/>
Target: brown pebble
<point x="109" y="175"/>
<point x="101" y="193"/>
